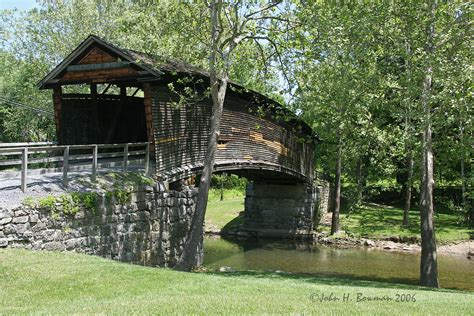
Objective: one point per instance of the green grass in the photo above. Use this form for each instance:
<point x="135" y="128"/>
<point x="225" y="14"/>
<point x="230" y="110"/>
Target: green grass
<point x="219" y="213"/>
<point x="381" y="221"/>
<point x="369" y="220"/>
<point x="64" y="283"/>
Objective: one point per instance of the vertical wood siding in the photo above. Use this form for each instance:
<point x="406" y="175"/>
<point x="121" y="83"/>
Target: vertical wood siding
<point x="181" y="135"/>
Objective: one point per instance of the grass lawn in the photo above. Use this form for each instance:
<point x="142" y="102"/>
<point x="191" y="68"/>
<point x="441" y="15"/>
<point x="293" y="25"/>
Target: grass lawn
<point x="369" y="221"/>
<point x="65" y="283"/>
<point x="219" y="213"/>
<point x="379" y="221"/>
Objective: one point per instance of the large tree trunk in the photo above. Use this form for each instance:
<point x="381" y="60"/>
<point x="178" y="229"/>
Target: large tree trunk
<point x="218" y="91"/>
<point x="408" y="189"/>
<point x="428" y="264"/>
<point x="337" y="192"/>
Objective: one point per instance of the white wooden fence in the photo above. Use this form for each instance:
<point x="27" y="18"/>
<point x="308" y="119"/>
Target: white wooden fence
<point x="87" y="158"/>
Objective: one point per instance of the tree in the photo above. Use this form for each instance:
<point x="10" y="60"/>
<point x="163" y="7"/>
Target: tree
<point x="335" y="92"/>
<point x="428" y="265"/>
<point x="231" y="23"/>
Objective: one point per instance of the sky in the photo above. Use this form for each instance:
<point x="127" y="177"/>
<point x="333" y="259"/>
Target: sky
<point x="19" y="4"/>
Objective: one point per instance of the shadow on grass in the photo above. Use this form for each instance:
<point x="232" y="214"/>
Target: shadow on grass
<point x="233" y="224"/>
<point x="338" y="280"/>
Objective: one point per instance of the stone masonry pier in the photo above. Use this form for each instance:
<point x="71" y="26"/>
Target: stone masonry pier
<point x="282" y="211"/>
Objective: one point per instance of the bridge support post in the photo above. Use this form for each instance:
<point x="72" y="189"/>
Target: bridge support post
<point x="280" y="211"/>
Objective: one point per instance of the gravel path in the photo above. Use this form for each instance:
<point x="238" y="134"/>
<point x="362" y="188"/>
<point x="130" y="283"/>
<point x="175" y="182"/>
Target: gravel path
<point x="39" y="185"/>
<point x="50" y="184"/>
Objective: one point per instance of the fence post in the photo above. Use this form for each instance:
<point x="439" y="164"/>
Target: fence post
<point x="125" y="158"/>
<point x="24" y="168"/>
<point x="94" y="162"/>
<point x="65" y="165"/>
<point x="147" y="159"/>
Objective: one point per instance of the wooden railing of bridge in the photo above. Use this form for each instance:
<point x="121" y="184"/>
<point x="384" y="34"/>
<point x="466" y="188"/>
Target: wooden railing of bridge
<point x="86" y="158"/>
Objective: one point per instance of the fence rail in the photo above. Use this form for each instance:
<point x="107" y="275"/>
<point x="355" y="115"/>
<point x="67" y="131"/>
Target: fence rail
<point x="87" y="157"/>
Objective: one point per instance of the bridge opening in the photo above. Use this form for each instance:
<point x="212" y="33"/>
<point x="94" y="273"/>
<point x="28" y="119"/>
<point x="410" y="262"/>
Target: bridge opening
<point x="101" y="118"/>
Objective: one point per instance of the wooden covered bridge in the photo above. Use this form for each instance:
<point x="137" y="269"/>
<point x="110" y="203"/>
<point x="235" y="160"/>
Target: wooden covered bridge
<point x="125" y="96"/>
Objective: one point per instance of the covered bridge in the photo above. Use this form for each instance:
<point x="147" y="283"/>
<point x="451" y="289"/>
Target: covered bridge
<point x="129" y="96"/>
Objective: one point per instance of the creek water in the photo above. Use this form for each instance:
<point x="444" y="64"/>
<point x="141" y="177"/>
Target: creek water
<point x="321" y="260"/>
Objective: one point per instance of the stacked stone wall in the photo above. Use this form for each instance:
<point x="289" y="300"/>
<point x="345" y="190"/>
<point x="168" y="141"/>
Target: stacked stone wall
<point x="150" y="229"/>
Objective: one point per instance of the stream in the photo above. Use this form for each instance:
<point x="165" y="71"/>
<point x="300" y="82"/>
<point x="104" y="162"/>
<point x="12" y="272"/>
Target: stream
<point x="322" y="260"/>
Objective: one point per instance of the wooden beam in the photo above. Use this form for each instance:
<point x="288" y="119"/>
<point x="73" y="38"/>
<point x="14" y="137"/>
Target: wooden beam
<point x="135" y="92"/>
<point x="147" y="159"/>
<point x="94" y="162"/>
<point x="103" y="74"/>
<point x="125" y="158"/>
<point x="24" y="169"/>
<point x="106" y="88"/>
<point x="93" y="88"/>
<point x="65" y="166"/>
<point x="89" y="67"/>
<point x="57" y="102"/>
<point x="148" y="102"/>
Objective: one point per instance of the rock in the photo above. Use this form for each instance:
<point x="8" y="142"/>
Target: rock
<point x="79" y="215"/>
<point x="407" y="249"/>
<point x="4" y="214"/>
<point x="9" y="229"/>
<point x="5" y="220"/>
<point x="54" y="245"/>
<point x="3" y="242"/>
<point x="226" y="269"/>
<point x="34" y="218"/>
<point x="20" y="213"/>
<point x="21" y="228"/>
<point x="20" y="219"/>
<point x="369" y="243"/>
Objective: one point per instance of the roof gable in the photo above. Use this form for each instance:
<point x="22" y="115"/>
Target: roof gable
<point x="98" y="61"/>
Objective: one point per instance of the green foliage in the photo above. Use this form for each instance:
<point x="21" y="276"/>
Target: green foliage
<point x="29" y="202"/>
<point x="88" y="200"/>
<point x="122" y="197"/>
<point x="230" y="181"/>
<point x="48" y="202"/>
<point x="215" y="194"/>
<point x="69" y="204"/>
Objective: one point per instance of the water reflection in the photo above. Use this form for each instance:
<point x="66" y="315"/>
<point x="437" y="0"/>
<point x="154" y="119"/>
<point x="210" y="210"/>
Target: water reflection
<point x="301" y="257"/>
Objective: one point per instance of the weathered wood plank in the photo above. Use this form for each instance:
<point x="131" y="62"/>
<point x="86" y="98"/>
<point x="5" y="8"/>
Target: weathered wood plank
<point x="94" y="162"/>
<point x="101" y="66"/>
<point x="96" y="55"/>
<point x="24" y="169"/>
<point x="101" y="74"/>
<point x="65" y="166"/>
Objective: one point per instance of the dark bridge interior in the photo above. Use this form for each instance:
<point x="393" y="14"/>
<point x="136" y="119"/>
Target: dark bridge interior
<point x="102" y="119"/>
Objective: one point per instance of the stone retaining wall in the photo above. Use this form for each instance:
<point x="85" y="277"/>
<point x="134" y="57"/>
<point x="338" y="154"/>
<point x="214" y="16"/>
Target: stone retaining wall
<point x="150" y="229"/>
